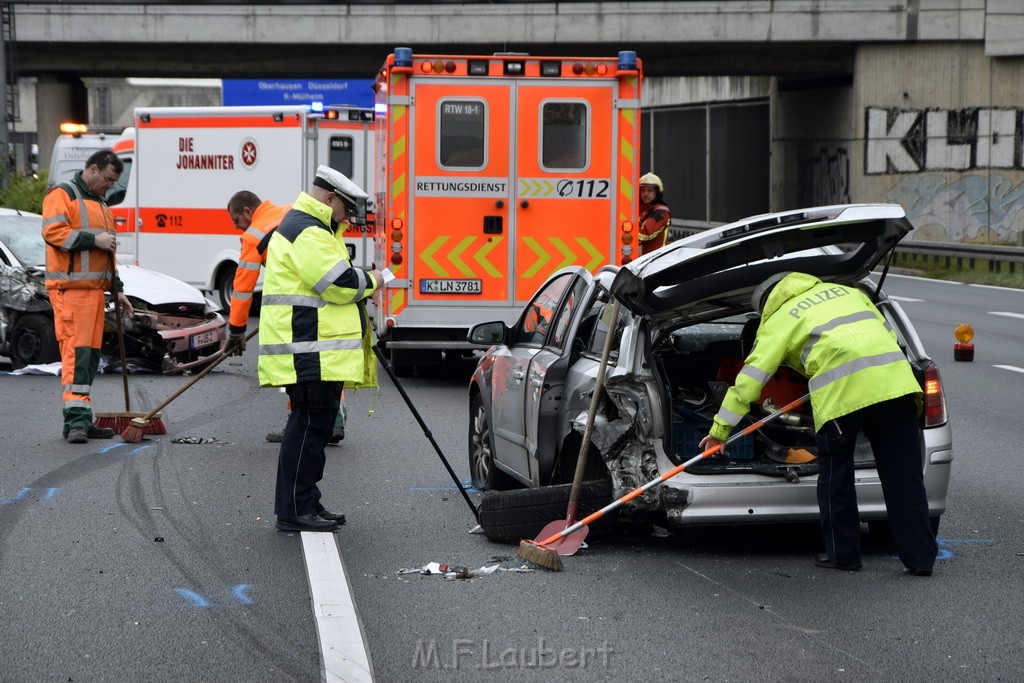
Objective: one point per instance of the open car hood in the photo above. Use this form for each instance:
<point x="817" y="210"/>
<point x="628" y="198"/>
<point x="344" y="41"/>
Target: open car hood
<point x="156" y="288"/>
<point x="718" y="269"/>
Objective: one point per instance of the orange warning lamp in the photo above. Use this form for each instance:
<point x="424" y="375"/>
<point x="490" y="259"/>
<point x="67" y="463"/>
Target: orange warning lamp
<point x="963" y="349"/>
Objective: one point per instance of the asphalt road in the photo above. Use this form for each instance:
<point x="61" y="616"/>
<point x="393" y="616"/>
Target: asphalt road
<point x="159" y="561"/>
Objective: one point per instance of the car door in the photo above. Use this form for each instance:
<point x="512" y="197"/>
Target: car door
<point x="545" y="378"/>
<point x="510" y="384"/>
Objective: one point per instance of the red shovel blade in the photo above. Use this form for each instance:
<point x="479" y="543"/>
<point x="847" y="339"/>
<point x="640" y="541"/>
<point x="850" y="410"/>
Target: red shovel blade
<point x="568" y="544"/>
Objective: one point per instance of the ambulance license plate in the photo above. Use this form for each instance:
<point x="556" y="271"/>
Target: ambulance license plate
<point x="451" y="286"/>
<point x="203" y="339"/>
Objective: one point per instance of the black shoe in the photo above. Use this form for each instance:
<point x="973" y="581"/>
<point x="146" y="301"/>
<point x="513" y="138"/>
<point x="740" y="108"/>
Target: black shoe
<point x="275" y="437"/>
<point x="338" y="517"/>
<point x="920" y="572"/>
<point x="93" y="432"/>
<point x="305" y="523"/>
<point x="78" y="435"/>
<point x="337" y="435"/>
<point x="821" y="560"/>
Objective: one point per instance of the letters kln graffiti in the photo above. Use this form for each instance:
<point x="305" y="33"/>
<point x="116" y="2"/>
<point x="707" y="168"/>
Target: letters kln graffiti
<point x="915" y="140"/>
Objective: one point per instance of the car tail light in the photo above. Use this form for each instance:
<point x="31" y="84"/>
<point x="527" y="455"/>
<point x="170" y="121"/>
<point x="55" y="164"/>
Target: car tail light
<point x="934" y="400"/>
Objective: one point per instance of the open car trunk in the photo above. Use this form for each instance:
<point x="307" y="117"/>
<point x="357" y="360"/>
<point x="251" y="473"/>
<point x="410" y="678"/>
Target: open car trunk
<point x="698" y="363"/>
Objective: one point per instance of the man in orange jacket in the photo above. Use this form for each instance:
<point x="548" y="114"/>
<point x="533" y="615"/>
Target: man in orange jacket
<point x="80" y="255"/>
<point x="256" y="219"/>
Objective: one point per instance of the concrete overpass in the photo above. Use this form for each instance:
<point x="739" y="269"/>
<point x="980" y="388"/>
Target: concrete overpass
<point x="786" y="38"/>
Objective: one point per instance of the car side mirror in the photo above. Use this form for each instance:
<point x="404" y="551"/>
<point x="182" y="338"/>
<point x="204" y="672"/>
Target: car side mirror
<point x="487" y="334"/>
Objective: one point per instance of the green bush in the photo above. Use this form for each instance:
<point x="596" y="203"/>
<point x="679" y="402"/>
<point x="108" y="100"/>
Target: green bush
<point x="24" y="193"/>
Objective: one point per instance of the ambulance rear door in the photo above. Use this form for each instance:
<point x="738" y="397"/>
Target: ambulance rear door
<point x="461" y="234"/>
<point x="564" y="207"/>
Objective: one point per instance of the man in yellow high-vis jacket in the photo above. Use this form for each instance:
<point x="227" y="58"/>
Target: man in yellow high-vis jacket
<point x="859" y="380"/>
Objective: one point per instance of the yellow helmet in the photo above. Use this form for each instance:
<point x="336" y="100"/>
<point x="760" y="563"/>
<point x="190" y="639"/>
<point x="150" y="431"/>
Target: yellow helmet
<point x="651" y="179"/>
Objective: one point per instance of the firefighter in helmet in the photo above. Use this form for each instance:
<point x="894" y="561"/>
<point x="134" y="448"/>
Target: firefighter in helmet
<point x="655" y="216"/>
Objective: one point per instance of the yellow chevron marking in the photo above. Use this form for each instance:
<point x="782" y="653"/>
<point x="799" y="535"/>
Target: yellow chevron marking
<point x="428" y="256"/>
<point x="481" y="257"/>
<point x="398" y="187"/>
<point x="542" y="256"/>
<point x="454" y="256"/>
<point x="596" y="257"/>
<point x="568" y="257"/>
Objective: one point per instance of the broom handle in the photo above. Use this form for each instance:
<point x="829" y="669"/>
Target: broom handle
<point x="120" y="330"/>
<point x="581" y="459"/>
<point x="195" y="379"/>
<point x="673" y="472"/>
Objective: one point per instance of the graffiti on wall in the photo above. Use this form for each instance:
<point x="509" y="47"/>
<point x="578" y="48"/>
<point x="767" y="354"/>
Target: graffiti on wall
<point x="915" y="140"/>
<point x="830" y="177"/>
<point x="972" y="208"/>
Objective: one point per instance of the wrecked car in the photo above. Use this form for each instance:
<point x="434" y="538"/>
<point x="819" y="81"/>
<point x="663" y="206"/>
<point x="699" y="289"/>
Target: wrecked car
<point x="684" y="328"/>
<point x="174" y="328"/>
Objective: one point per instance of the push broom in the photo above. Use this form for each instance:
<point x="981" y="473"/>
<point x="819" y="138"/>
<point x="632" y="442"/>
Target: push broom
<point x="543" y="553"/>
<point x="137" y="428"/>
<point x="121" y="421"/>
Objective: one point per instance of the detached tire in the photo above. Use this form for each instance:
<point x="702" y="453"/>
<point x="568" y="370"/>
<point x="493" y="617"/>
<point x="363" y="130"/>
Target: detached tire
<point x="511" y="516"/>
<point x="33" y="341"/>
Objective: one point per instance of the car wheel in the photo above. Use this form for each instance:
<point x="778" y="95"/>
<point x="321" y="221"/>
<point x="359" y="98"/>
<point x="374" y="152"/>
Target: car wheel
<point x="226" y="285"/>
<point x="33" y="341"/>
<point x="511" y="516"/>
<point x="483" y="472"/>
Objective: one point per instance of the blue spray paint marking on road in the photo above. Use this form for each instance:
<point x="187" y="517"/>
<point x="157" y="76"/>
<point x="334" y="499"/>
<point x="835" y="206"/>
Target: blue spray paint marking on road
<point x="945" y="552"/>
<point x="194" y="598"/>
<point x="468" y="485"/>
<point x="239" y="593"/>
<point x="50" y="493"/>
<point x="133" y="452"/>
<point x="17" y="496"/>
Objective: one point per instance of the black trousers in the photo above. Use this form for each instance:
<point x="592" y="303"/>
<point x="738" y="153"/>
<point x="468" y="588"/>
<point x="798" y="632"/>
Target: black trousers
<point x="892" y="429"/>
<point x="300" y="464"/>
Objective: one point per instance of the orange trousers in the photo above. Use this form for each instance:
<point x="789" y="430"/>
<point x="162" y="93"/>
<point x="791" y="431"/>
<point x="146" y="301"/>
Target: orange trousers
<point x="78" y="321"/>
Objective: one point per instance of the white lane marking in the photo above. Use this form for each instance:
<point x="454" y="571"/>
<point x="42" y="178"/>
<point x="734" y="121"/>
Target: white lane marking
<point x="1008" y="314"/>
<point x="344" y="655"/>
<point x="1014" y="368"/>
<point x="905" y="298"/>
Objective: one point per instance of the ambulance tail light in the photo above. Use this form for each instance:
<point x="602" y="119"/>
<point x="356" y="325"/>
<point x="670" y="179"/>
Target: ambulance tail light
<point x="934" y="399"/>
<point x="332" y="114"/>
<point x="396" y="245"/>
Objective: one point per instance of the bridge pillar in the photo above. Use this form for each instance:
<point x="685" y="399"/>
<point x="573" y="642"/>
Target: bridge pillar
<point x="58" y="99"/>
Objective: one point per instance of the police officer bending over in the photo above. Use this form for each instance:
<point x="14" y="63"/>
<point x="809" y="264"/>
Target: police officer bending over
<point x="860" y="380"/>
<point x="314" y="338"/>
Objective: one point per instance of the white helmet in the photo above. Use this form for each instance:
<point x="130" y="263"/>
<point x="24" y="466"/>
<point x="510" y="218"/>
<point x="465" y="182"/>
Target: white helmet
<point x="651" y="179"/>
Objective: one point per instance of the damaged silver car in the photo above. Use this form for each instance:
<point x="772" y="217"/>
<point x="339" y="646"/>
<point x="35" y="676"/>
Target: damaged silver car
<point x="684" y="328"/>
<point x="174" y="328"/>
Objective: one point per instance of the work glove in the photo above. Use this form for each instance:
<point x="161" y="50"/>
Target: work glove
<point x="235" y="345"/>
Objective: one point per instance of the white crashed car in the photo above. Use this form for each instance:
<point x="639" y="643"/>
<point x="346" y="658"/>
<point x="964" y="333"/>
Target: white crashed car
<point x="684" y="329"/>
<point x="174" y="327"/>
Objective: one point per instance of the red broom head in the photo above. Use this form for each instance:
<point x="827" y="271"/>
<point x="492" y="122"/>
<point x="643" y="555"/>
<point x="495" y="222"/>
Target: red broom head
<point x="134" y="432"/>
<point x="156" y="426"/>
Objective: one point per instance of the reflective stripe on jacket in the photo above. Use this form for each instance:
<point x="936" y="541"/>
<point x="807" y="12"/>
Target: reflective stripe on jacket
<point x="654" y="222"/>
<point x="265" y="218"/>
<point x="72" y="218"/>
<point x="834" y="336"/>
<point x="312" y="322"/>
